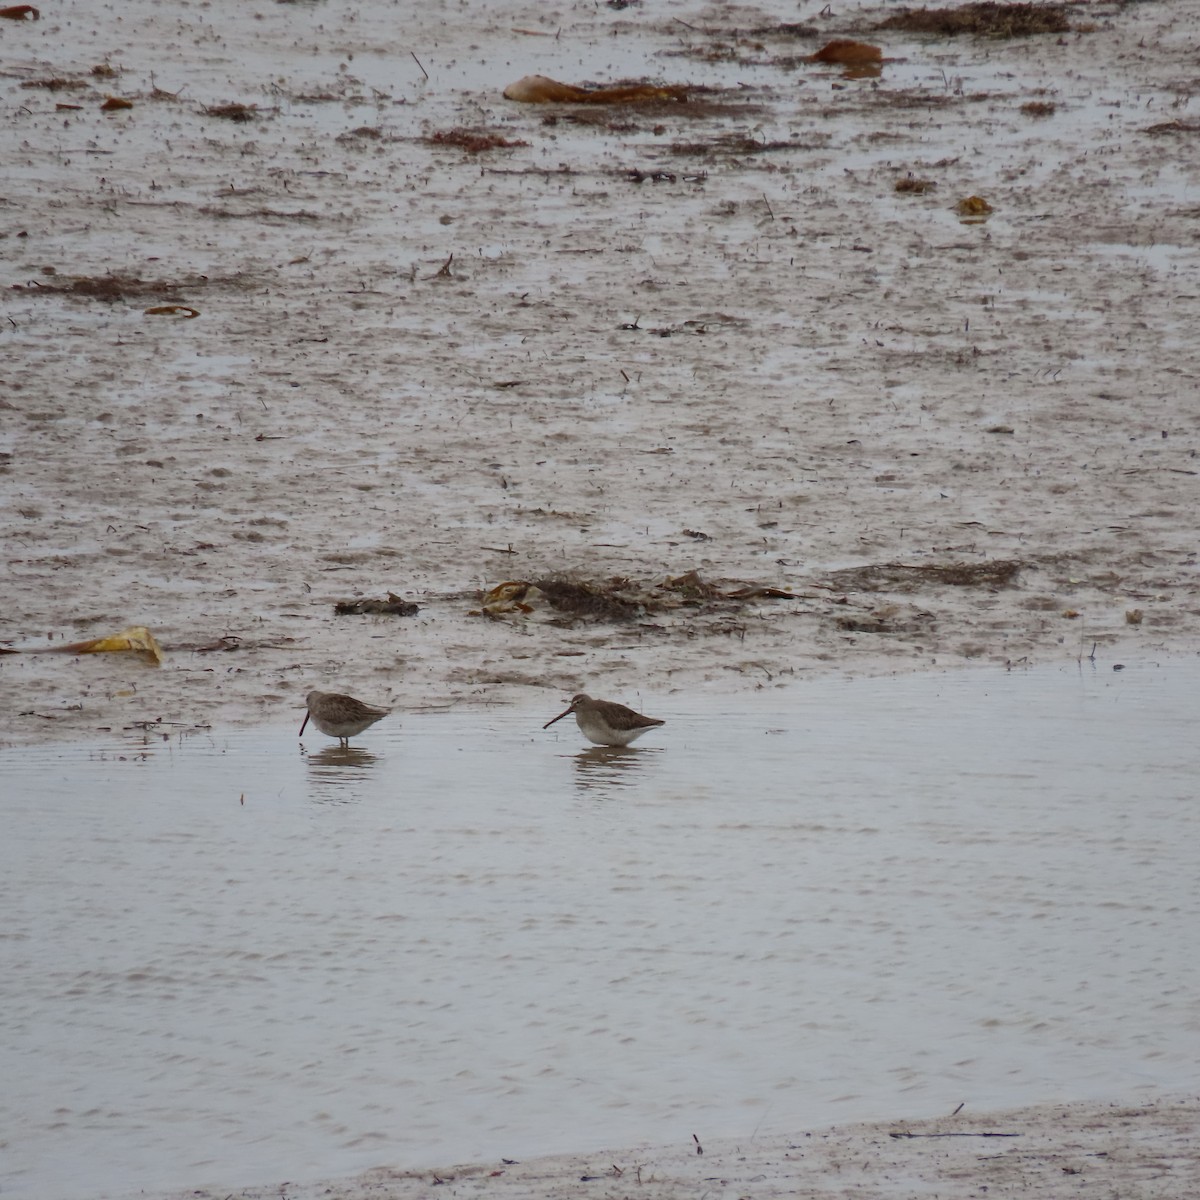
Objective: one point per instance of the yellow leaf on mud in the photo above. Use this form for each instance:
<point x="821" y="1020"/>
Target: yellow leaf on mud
<point x="136" y="638"/>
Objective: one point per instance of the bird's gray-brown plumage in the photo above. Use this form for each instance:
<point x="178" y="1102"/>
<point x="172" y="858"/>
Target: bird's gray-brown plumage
<point x="340" y="716"/>
<point x="605" y="722"/>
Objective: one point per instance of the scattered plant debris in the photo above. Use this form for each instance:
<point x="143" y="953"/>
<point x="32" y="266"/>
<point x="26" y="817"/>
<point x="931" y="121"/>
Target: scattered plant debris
<point x="56" y="84"/>
<point x="692" y="588"/>
<point x="740" y="144"/>
<point x="636" y="176"/>
<point x="986" y="19"/>
<point x="597" y="117"/>
<point x="300" y="214"/>
<point x="224" y="644"/>
<point x="114" y="287"/>
<point x="1039" y="108"/>
<point x="237" y="112"/>
<point x="392" y="606"/>
<point x="369" y="132"/>
<point x="594" y="602"/>
<point x="538" y="89"/>
<point x="910" y="577"/>
<point x="786" y="29"/>
<point x="973" y="210"/>
<point x="105" y="71"/>
<point x="914" y="186"/>
<point x="1175" y="126"/>
<point x="619" y="599"/>
<point x="473" y="141"/>
<point x="590" y="601"/>
<point x="890" y="618"/>
<point x="172" y="310"/>
<point x="115" y="103"/>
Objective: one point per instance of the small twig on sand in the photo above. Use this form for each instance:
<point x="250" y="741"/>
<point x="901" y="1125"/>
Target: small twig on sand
<point x="418" y="62"/>
<point x="902" y="1133"/>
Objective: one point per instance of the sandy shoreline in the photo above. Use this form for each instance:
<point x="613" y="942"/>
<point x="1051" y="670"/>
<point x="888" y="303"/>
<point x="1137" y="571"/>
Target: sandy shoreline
<point x="1138" y="1150"/>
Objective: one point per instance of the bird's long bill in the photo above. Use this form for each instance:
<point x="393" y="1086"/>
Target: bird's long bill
<point x="303" y="723"/>
<point x="558" y="718"/>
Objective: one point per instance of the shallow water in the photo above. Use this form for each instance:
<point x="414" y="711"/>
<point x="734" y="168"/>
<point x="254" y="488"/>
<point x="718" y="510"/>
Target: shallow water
<point x="231" y="959"/>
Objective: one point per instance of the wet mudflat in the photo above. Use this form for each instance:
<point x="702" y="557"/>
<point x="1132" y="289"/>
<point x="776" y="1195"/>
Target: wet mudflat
<point x="800" y="372"/>
<point x="323" y="317"/>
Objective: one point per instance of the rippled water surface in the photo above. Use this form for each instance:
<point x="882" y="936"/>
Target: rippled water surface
<point x="229" y="959"/>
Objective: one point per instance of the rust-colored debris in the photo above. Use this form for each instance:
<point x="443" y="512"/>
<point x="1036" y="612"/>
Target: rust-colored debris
<point x="115" y="103"/>
<point x="538" y="89"/>
<point x="986" y="19"/>
<point x="393" y="606"/>
<point x="473" y="141"/>
<point x="20" y="12"/>
<point x="1039" y="108"/>
<point x="105" y="71"/>
<point x="844" y="52"/>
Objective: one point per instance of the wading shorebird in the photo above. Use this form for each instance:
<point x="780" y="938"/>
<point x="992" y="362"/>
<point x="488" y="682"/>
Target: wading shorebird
<point x="606" y="723"/>
<point x="340" y="716"/>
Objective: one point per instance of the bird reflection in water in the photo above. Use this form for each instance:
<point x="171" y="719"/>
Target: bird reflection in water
<point x="335" y="771"/>
<point x="609" y="766"/>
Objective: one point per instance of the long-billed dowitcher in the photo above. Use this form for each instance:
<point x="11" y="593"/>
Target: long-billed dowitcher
<point x="605" y="722"/>
<point x="340" y="716"/>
